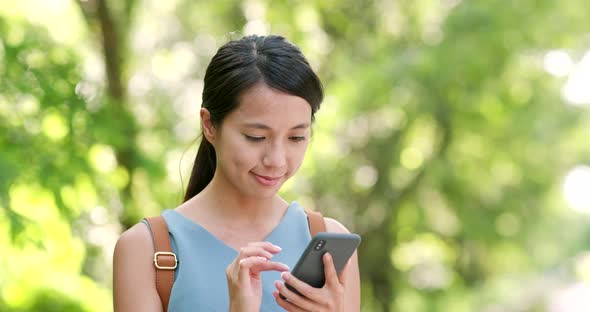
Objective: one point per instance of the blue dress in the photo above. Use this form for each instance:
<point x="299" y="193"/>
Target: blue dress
<point x="200" y="281"/>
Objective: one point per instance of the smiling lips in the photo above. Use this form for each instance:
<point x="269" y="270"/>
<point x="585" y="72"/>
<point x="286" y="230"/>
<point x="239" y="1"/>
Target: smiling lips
<point x="267" y="181"/>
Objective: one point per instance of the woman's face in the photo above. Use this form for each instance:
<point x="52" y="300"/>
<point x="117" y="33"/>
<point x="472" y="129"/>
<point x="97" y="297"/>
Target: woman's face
<point x="262" y="143"/>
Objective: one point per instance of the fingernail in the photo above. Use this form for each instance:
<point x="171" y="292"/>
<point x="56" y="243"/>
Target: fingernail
<point x="278" y="247"/>
<point x="277" y="284"/>
<point x="328" y="256"/>
<point x="262" y="258"/>
<point x="285" y="275"/>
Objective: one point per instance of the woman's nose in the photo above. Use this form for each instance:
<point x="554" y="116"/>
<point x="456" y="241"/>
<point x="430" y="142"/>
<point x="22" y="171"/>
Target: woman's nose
<point x="274" y="156"/>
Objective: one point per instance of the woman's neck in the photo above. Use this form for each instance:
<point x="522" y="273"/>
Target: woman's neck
<point x="221" y="201"/>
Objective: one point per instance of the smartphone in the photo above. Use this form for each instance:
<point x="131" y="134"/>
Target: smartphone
<point x="310" y="267"/>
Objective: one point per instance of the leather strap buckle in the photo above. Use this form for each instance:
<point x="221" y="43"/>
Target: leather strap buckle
<point x="165" y="267"/>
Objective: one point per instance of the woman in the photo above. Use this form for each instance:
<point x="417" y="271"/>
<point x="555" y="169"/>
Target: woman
<point x="234" y="236"/>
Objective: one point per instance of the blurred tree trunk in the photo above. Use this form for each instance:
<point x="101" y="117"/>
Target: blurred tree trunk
<point x="379" y="241"/>
<point x="111" y="31"/>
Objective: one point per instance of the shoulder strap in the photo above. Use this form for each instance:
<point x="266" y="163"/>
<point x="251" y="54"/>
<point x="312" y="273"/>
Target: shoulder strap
<point x="165" y="261"/>
<point x="316" y="222"/>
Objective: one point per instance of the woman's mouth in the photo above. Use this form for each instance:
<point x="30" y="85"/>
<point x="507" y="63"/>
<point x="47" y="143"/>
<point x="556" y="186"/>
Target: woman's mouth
<point x="266" y="180"/>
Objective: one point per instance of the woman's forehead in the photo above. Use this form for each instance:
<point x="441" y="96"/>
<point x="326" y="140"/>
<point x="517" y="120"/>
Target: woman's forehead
<point x="261" y="105"/>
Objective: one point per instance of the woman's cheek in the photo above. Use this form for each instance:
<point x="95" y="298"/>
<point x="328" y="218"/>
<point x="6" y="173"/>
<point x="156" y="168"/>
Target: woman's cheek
<point x="245" y="156"/>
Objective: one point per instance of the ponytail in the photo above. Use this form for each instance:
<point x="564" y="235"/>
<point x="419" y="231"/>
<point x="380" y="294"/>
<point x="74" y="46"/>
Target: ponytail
<point x="203" y="169"/>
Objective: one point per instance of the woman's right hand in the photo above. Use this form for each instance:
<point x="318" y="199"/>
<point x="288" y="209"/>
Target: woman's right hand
<point x="243" y="275"/>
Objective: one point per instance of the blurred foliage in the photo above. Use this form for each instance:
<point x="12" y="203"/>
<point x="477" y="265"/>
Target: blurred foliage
<point x="443" y="141"/>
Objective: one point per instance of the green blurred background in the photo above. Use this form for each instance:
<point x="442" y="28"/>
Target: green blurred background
<point x="455" y="138"/>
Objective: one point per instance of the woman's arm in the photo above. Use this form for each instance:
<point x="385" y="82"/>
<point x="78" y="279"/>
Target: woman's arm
<point x="352" y="291"/>
<point x="134" y="276"/>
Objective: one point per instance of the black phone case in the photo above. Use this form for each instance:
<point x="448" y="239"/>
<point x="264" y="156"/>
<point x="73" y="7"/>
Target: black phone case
<point x="310" y="267"/>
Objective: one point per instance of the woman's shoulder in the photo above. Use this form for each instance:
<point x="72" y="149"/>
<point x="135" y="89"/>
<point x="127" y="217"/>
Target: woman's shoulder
<point x="133" y="266"/>
<point x="334" y="226"/>
<point x="134" y="241"/>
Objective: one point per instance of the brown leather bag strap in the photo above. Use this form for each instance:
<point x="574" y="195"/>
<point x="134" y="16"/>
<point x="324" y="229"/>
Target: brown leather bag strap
<point x="165" y="261"/>
<point x="316" y="222"/>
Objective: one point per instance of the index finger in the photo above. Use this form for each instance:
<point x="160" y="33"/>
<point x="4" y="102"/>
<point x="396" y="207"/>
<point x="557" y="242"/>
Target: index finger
<point x="268" y="246"/>
<point x="330" y="270"/>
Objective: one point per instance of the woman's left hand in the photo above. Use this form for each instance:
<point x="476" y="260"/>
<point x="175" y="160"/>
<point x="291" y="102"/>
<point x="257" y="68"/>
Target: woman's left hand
<point x="328" y="298"/>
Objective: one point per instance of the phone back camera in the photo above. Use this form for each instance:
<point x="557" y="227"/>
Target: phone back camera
<point x="320" y="245"/>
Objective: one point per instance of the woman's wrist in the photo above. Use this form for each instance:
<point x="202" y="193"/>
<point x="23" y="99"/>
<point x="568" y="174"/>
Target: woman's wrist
<point x="237" y="307"/>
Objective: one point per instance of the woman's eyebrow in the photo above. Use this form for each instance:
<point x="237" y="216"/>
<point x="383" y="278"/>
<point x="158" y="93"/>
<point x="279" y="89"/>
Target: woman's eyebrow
<point x="304" y="125"/>
<point x="262" y="126"/>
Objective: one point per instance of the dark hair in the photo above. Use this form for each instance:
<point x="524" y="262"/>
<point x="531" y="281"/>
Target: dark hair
<point x="239" y="65"/>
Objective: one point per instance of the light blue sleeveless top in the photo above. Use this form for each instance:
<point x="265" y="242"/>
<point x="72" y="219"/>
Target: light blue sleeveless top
<point x="200" y="281"/>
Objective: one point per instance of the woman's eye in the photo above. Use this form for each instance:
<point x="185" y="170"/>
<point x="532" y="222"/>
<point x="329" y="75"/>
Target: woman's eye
<point x="297" y="138"/>
<point x="253" y="138"/>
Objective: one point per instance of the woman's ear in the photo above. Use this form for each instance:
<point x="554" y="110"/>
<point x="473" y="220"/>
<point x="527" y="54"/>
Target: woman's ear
<point x="208" y="127"/>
